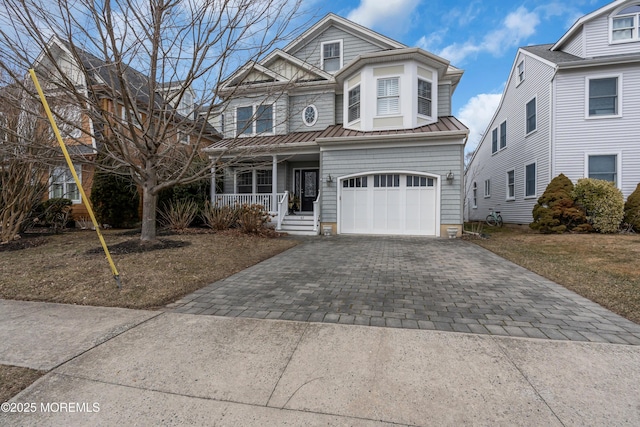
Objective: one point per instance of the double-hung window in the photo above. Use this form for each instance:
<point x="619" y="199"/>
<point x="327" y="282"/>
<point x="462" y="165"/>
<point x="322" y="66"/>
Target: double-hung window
<point x="531" y="116"/>
<point x="604" y="167"/>
<point x="474" y="201"/>
<point x="494" y="140"/>
<point x="521" y="71"/>
<point x="503" y="134"/>
<point x="254" y="120"/>
<point x="244" y="181"/>
<point x="331" y="56"/>
<point x="511" y="184"/>
<point x="530" y="180"/>
<point x="63" y="185"/>
<point x="487" y="188"/>
<point x="603" y="97"/>
<point x="264" y="178"/>
<point x="424" y="97"/>
<point x="624" y="25"/>
<point x="354" y="104"/>
<point x="388" y="96"/>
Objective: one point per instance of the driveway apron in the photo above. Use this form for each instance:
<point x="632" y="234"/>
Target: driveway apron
<point x="405" y="282"/>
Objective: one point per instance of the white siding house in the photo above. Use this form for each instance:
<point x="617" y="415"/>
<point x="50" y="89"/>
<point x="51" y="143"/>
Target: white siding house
<point x="586" y="121"/>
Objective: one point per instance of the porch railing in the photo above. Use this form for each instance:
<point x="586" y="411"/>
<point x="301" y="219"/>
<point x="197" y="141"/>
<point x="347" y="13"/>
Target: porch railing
<point x="266" y="200"/>
<point x="283" y="208"/>
<point x="316" y="213"/>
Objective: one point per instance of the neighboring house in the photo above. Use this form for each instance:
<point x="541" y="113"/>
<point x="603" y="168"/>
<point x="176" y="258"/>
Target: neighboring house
<point x="82" y="134"/>
<point x="572" y="107"/>
<point x="354" y="127"/>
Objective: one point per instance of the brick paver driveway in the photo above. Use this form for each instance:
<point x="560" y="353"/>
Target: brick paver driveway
<point x="425" y="283"/>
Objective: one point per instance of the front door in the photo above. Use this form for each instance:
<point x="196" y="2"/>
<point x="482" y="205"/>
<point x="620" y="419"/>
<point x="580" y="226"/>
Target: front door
<point x="308" y="189"/>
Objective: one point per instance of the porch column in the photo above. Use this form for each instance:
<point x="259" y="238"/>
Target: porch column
<point x="212" y="191"/>
<point x="274" y="184"/>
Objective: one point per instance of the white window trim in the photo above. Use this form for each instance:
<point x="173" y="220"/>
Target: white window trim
<point x="315" y="109"/>
<point x="78" y="169"/>
<point x="614" y="15"/>
<point x="487" y="194"/>
<point x="618" y="155"/>
<point x="524" y="72"/>
<point x="507" y="197"/>
<point x="535" y="193"/>
<point x="395" y="113"/>
<point x="254" y="120"/>
<point x="526" y="118"/>
<point x="254" y="178"/>
<point x="359" y="104"/>
<point x="587" y="79"/>
<point x="322" y="55"/>
<point x="474" y="195"/>
<point x="418" y="97"/>
<point x="495" y="132"/>
<point x="500" y="135"/>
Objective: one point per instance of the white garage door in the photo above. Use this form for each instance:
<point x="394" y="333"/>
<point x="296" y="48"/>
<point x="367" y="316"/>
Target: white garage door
<point x="388" y="204"/>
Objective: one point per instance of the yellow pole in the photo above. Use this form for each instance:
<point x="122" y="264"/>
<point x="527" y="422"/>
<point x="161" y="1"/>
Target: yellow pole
<point x="56" y="131"/>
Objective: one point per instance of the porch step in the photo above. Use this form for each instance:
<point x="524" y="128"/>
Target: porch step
<point x="298" y="225"/>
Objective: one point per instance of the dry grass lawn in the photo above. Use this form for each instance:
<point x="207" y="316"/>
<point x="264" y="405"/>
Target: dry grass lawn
<point x="602" y="267"/>
<point x="14" y="379"/>
<point x="62" y="269"/>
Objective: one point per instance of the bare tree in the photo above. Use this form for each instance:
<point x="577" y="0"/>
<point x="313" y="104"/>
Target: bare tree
<point x="144" y="75"/>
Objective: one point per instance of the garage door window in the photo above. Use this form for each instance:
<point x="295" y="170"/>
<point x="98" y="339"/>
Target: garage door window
<point x="386" y="180"/>
<point x="419" y="181"/>
<point x="357" y="182"/>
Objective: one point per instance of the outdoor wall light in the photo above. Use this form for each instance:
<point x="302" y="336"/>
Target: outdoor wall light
<point x="450" y="177"/>
<point x="329" y="179"/>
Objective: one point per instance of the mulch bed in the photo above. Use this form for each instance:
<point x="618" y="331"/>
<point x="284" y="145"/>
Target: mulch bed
<point x="136" y="246"/>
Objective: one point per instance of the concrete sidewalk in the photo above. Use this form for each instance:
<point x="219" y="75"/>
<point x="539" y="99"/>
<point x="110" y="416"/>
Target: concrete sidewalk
<point x="149" y="368"/>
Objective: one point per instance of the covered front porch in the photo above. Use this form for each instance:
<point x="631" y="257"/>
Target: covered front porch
<point x="287" y="185"/>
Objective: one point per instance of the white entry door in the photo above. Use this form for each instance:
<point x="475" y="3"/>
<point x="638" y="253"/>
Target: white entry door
<point x="389" y="203"/>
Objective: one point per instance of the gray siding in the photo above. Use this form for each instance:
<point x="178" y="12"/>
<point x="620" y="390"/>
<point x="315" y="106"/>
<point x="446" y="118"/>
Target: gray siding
<point x="444" y="100"/>
<point x="520" y="151"/>
<point x="576" y="136"/>
<point x="324" y="103"/>
<point x="352" y="46"/>
<point x="597" y="40"/>
<point x="575" y="45"/>
<point x="437" y="160"/>
<point x="339" y="108"/>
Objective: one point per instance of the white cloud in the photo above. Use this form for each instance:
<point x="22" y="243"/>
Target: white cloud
<point x="387" y="15"/>
<point x="476" y="115"/>
<point x="516" y="27"/>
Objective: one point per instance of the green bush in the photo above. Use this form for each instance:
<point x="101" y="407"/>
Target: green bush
<point x="603" y="203"/>
<point x="556" y="211"/>
<point x="115" y="199"/>
<point x="632" y="210"/>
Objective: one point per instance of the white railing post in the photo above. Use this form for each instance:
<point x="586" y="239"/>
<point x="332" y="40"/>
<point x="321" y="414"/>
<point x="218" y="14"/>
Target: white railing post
<point x="316" y="213"/>
<point x="283" y="207"/>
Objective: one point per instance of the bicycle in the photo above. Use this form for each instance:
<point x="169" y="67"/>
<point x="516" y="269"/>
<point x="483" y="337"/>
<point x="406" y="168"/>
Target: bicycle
<point x="494" y="218"/>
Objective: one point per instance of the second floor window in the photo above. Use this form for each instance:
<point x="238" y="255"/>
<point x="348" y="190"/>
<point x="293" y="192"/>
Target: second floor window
<point x="254" y="120"/>
<point x="521" y="71"/>
<point x="424" y="97"/>
<point x="531" y="116"/>
<point x="494" y="140"/>
<point x="388" y="96"/>
<point x="331" y="56"/>
<point x="624" y="26"/>
<point x="503" y="134"/>
<point x="603" y="97"/>
<point x="354" y="104"/>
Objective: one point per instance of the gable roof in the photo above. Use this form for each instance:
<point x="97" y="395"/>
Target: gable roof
<point x="554" y="56"/>
<point x="344" y="24"/>
<point x="586" y="18"/>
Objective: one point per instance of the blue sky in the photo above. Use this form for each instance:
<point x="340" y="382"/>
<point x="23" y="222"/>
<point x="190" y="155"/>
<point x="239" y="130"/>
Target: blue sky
<point x="481" y="37"/>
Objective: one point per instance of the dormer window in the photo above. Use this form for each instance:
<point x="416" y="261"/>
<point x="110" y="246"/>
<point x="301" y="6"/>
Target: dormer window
<point x="624" y="25"/>
<point x="186" y="104"/>
<point x="331" y="56"/>
<point x="388" y="96"/>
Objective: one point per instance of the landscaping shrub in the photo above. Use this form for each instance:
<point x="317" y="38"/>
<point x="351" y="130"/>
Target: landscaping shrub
<point x="252" y="219"/>
<point x="603" y="203"/>
<point x="55" y="213"/>
<point x="220" y="217"/>
<point x="197" y="192"/>
<point x="178" y="215"/>
<point x="556" y="211"/>
<point x="632" y="210"/>
<point x="115" y="199"/>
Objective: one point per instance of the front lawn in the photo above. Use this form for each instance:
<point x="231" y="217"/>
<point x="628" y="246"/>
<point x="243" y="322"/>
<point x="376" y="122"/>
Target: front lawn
<point x="602" y="267"/>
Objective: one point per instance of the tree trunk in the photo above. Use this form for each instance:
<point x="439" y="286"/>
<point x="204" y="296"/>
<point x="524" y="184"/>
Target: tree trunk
<point x="149" y="204"/>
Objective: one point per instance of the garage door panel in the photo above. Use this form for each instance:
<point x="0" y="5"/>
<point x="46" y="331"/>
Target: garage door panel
<point x="390" y="204"/>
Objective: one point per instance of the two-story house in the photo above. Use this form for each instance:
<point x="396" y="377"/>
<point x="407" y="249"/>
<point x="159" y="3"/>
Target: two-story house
<point x="571" y="107"/>
<point x="354" y="127"/>
<point x="85" y="128"/>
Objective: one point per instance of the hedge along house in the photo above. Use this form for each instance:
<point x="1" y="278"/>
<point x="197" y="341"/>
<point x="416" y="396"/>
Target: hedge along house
<point x="351" y="126"/>
<point x="84" y="130"/>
